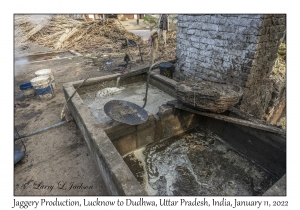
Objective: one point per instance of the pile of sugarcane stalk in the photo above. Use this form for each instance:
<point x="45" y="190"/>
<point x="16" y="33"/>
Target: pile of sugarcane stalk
<point x="62" y="32"/>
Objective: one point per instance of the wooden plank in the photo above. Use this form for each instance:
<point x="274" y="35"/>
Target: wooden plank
<point x="247" y="116"/>
<point x="279" y="131"/>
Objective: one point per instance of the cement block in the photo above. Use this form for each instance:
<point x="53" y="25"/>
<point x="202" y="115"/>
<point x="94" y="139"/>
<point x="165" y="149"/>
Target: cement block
<point x="244" y="22"/>
<point x="126" y="144"/>
<point x="123" y="129"/>
<point x="191" y="31"/>
<point x="214" y="19"/>
<point x="229" y="29"/>
<point x="194" y="38"/>
<point x="210" y="27"/>
<point x="256" y="24"/>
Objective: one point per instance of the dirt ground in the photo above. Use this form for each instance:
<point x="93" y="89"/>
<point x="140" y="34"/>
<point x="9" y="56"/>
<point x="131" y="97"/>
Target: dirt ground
<point x="57" y="161"/>
<point x="57" y="155"/>
<point x="131" y="24"/>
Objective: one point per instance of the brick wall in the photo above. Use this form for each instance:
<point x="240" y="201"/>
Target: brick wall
<point x="235" y="49"/>
<point x="265" y="89"/>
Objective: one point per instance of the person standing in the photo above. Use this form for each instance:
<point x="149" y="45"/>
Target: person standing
<point x="164" y="27"/>
<point x="153" y="43"/>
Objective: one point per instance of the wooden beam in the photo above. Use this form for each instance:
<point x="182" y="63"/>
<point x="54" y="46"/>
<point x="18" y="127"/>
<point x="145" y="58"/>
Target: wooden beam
<point x="268" y="128"/>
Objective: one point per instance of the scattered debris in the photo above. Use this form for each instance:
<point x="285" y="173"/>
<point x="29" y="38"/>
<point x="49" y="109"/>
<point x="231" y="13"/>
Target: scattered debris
<point x="63" y="32"/>
<point x="109" y="91"/>
<point x="48" y="58"/>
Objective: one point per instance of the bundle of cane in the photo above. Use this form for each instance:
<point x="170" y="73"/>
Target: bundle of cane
<point x="210" y="96"/>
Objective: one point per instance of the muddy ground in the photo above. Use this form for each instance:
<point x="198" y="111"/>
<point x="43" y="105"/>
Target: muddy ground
<point x="58" y="158"/>
<point x="57" y="155"/>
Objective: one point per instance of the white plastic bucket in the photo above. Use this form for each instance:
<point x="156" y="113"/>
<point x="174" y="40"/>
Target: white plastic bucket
<point x="43" y="87"/>
<point x="48" y="72"/>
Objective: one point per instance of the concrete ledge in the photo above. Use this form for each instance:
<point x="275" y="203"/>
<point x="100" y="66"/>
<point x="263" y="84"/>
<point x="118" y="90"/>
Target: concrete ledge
<point x="118" y="178"/>
<point x="278" y="189"/>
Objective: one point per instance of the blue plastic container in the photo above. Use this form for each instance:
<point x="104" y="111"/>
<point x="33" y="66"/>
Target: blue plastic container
<point x="27" y="89"/>
<point x="26" y="86"/>
<point x="43" y="91"/>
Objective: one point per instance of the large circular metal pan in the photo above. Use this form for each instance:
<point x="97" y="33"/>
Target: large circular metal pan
<point x="125" y="112"/>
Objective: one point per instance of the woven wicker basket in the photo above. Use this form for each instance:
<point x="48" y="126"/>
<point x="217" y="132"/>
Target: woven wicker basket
<point x="210" y="96"/>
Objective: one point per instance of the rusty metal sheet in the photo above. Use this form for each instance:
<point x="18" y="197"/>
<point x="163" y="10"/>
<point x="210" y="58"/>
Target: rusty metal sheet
<point x="125" y="112"/>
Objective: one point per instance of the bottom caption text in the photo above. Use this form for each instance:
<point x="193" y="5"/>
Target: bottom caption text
<point x="166" y="202"/>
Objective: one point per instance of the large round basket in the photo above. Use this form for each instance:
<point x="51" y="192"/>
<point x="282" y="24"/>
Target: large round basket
<point x="210" y="96"/>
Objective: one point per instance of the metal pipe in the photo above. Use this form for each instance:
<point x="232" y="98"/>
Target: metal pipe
<point x="62" y="114"/>
<point x="127" y="48"/>
<point x="148" y="77"/>
<point x="140" y="53"/>
<point x="41" y="130"/>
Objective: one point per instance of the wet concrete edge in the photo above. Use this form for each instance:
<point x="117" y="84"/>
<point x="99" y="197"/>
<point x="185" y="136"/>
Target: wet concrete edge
<point x="278" y="189"/>
<point x="117" y="176"/>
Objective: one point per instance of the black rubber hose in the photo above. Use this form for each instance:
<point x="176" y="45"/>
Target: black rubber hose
<point x="148" y="78"/>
